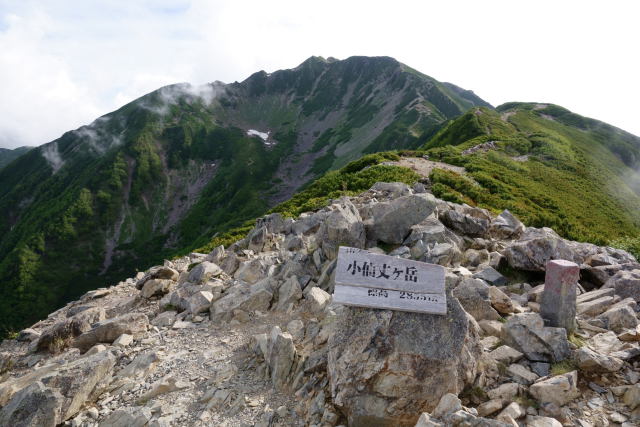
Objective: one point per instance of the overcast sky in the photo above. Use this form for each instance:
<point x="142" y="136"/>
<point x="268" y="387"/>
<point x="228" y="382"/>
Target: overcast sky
<point x="64" y="63"/>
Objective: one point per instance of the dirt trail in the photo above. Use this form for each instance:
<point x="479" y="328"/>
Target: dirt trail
<point x="423" y="167"/>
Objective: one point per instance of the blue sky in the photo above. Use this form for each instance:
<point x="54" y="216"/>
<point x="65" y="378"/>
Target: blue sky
<point x="64" y="63"/>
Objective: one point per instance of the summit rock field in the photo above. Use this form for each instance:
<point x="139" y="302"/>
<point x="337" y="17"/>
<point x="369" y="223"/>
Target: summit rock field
<point x="247" y="335"/>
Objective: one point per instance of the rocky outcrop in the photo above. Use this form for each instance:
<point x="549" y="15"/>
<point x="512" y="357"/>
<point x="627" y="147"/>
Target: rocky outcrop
<point x="342" y="227"/>
<point x="386" y="367"/>
<point x="109" y="330"/>
<point x="205" y="339"/>
<point x="390" y="222"/>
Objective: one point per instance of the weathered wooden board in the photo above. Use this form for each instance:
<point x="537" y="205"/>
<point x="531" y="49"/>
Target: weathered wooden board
<point x="357" y="267"/>
<point x="360" y="296"/>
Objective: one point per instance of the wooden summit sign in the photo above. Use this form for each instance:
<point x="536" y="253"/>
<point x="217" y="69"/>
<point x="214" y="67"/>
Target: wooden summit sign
<point x="365" y="279"/>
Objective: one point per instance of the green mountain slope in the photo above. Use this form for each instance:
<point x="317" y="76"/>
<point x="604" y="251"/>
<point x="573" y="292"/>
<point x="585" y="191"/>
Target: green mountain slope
<point x="549" y="166"/>
<point x="8" y="155"/>
<point x="164" y="173"/>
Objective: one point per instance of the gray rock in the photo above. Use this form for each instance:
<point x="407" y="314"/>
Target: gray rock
<point x="535" y="248"/>
<point x="282" y="355"/>
<point x="342" y="227"/>
<point x="599" y="275"/>
<point x="491" y="276"/>
<point x="157" y="272"/>
<point x="591" y="361"/>
<point x="230" y="263"/>
<point x="108" y="330"/>
<point x="380" y="357"/>
<point x="204" y="272"/>
<point x="541" y="368"/>
<point x="156" y="287"/>
<point x="61" y="334"/>
<point x="164" y="319"/>
<point x="442" y="254"/>
<point x="199" y="302"/>
<point x="626" y="284"/>
<point x="448" y="403"/>
<point x="526" y="333"/>
<point x="390" y="222"/>
<point x="274" y="223"/>
<point x="559" y="390"/>
<point x="317" y="299"/>
<point x="33" y="406"/>
<point x="257" y="239"/>
<point x="473" y="294"/>
<point x="76" y="382"/>
<point x="431" y="231"/>
<point x="471" y="222"/>
<point x="290" y="292"/>
<point x="167" y="384"/>
<point x="251" y="271"/>
<point x="619" y="318"/>
<point x="396" y="189"/>
<point x="506" y="226"/>
<point x="128" y="417"/>
<point x="241" y="297"/>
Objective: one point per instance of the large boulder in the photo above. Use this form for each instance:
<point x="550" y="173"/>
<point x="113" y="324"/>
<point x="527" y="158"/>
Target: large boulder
<point x="467" y="220"/>
<point x="535" y="248"/>
<point x="342" y="227"/>
<point x="107" y="331"/>
<point x="60" y="390"/>
<point x="33" y="406"/>
<point x="203" y="272"/>
<point x="506" y="226"/>
<point x="386" y="367"/>
<point x="390" y="222"/>
<point x="60" y="334"/>
<point x="241" y="297"/>
<point x="158" y="272"/>
<point x="626" y="284"/>
<point x="526" y="333"/>
<point x="474" y="296"/>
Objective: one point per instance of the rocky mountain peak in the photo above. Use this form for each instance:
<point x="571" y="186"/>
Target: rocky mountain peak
<point x="249" y="335"/>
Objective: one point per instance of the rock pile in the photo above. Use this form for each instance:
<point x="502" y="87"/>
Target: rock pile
<point x="249" y="335"/>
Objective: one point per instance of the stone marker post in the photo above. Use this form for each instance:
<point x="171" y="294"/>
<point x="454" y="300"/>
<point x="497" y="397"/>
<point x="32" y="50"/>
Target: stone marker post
<point x="558" y="307"/>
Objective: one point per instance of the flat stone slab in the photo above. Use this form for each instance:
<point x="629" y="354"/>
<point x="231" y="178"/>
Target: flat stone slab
<point x="592" y="295"/>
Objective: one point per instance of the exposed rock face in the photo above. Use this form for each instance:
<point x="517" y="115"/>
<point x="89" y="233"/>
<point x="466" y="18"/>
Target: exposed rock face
<point x="473" y="294"/>
<point x="386" y="367"/>
<point x="526" y="333"/>
<point x="390" y="222"/>
<point x="466" y="220"/>
<point x="535" y="248"/>
<point x="60" y="390"/>
<point x="506" y="226"/>
<point x="109" y="330"/>
<point x="217" y="349"/>
<point x="159" y="272"/>
<point x="560" y="389"/>
<point x="626" y="284"/>
<point x="342" y="227"/>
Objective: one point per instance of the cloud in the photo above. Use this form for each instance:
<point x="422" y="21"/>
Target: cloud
<point x="64" y="63"/>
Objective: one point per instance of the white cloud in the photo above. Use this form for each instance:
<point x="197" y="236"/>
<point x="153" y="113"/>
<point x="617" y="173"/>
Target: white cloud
<point x="64" y="63"/>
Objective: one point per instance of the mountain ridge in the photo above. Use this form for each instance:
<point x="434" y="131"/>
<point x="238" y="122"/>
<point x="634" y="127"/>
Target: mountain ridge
<point x="168" y="170"/>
